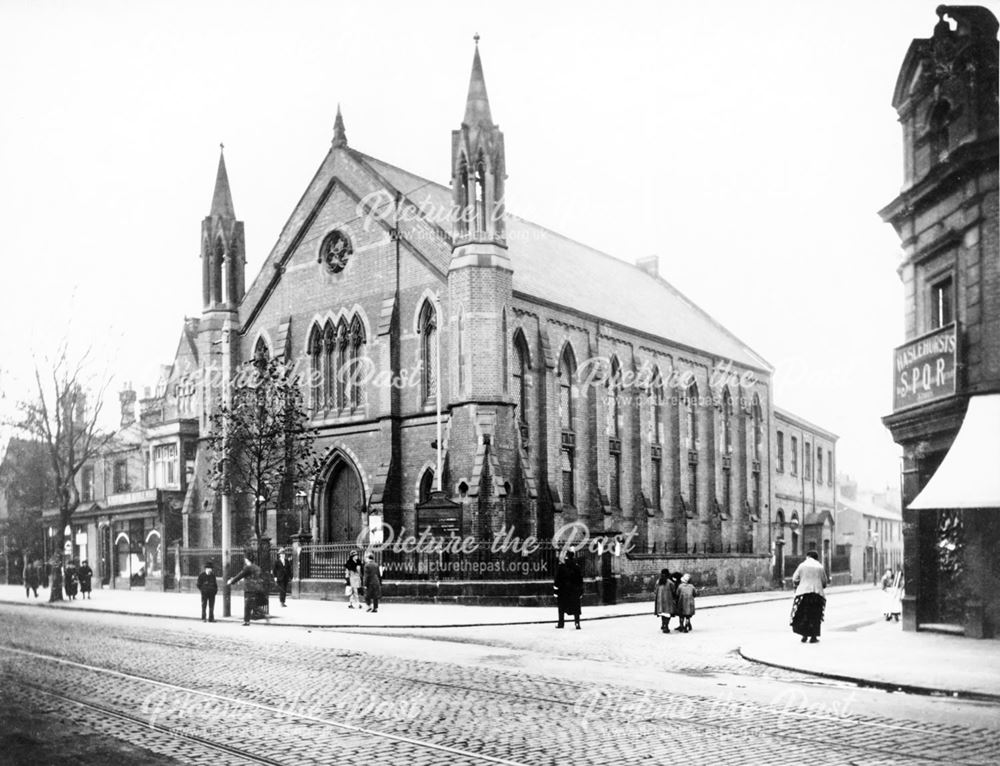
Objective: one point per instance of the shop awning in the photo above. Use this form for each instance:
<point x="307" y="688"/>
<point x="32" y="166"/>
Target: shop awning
<point x="969" y="475"/>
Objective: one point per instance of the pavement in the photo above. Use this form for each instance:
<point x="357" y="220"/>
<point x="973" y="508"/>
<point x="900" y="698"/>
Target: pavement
<point x="876" y="654"/>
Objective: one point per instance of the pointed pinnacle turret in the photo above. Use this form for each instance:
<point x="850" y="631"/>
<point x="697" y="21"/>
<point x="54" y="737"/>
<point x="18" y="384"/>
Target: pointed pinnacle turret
<point x="477" y="105"/>
<point x="339" y="134"/>
<point x="222" y="198"/>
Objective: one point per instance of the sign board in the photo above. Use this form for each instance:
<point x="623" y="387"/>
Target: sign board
<point x="81" y="539"/>
<point x="925" y="367"/>
<point x="440" y="514"/>
<point x="68" y="548"/>
<point x="375" y="529"/>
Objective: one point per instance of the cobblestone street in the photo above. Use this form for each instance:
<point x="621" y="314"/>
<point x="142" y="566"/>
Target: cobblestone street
<point x="617" y="692"/>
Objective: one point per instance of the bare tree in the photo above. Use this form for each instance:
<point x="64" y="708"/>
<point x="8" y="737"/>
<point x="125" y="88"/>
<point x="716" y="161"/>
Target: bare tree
<point x="63" y="416"/>
<point x="261" y="441"/>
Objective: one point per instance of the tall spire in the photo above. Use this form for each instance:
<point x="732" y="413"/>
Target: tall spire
<point x="222" y="198"/>
<point x="339" y="135"/>
<point x="477" y="105"/>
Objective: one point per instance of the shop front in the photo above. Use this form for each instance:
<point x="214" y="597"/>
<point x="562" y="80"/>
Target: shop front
<point x="135" y="532"/>
<point x="956" y="517"/>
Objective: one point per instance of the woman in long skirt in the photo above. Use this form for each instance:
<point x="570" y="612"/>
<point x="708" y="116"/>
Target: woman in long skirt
<point x="810" y="599"/>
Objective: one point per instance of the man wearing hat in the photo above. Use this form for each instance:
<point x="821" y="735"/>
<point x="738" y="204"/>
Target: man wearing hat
<point x="208" y="587"/>
<point x="282" y="574"/>
<point x="252" y="589"/>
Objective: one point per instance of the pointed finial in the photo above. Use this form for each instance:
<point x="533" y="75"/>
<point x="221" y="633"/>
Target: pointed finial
<point x="222" y="146"/>
<point x="477" y="104"/>
<point x="339" y="134"/>
<point x="222" y="198"/>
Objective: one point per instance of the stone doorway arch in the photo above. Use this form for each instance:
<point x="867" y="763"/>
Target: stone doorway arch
<point x="342" y="501"/>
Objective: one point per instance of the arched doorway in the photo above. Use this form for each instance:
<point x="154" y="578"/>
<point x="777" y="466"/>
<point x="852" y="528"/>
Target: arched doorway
<point x="343" y="516"/>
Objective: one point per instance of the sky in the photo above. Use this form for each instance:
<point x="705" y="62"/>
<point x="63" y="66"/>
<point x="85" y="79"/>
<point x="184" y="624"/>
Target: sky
<point x="748" y="144"/>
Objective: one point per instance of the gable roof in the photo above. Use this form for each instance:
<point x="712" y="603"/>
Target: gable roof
<point x="547" y="266"/>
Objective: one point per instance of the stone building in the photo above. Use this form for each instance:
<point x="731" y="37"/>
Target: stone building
<point x="946" y="405"/>
<point x="868" y="531"/>
<point x="805" y="491"/>
<point x="445" y="341"/>
<point x="131" y="496"/>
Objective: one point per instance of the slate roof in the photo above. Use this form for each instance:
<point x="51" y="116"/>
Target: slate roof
<point x="559" y="270"/>
<point x="547" y="266"/>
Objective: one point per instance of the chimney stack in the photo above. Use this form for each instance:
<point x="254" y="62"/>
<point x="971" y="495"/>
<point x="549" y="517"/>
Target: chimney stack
<point x="127" y="399"/>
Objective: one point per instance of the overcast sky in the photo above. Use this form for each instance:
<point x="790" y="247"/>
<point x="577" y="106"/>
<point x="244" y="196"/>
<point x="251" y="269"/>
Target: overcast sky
<point x="748" y="144"/>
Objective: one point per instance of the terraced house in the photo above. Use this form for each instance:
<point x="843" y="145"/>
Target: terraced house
<point x="568" y="385"/>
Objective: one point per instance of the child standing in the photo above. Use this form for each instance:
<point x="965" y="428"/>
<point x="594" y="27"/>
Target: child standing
<point x="685" y="603"/>
<point x="664" y="599"/>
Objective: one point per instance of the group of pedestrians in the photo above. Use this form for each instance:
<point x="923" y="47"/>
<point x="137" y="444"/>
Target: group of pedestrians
<point x="255" y="589"/>
<point x="362" y="581"/>
<point x="77" y="579"/>
<point x="674" y="596"/>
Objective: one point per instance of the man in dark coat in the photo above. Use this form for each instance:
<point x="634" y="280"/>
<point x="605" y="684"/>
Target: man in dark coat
<point x="569" y="589"/>
<point x="70" y="581"/>
<point x="30" y="578"/>
<point x="86" y="576"/>
<point x="372" y="583"/>
<point x="282" y="575"/>
<point x="208" y="586"/>
<point x="252" y="589"/>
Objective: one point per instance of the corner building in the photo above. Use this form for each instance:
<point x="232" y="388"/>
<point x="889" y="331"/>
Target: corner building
<point x="946" y="403"/>
<point x="553" y="365"/>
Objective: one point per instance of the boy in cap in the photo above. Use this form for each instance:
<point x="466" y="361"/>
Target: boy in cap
<point x="208" y="587"/>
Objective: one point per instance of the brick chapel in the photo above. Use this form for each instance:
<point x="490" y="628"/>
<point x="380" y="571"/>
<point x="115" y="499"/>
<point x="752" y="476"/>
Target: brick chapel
<point x="568" y="385"/>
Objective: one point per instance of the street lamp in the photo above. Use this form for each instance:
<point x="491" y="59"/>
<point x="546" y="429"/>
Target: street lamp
<point x="301" y="504"/>
<point x="302" y="537"/>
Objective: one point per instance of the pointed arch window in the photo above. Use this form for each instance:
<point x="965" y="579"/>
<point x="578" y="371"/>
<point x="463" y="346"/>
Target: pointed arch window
<point x="316" y="368"/>
<point x="217" y="270"/>
<point x="691" y="408"/>
<point x="466" y="197"/>
<point x="727" y="451"/>
<point x="522" y="365"/>
<point x="567" y="368"/>
<point x="261" y="353"/>
<point x="339" y="384"/>
<point x="427" y="329"/>
<point x="354" y="374"/>
<point x="755" y="466"/>
<point x="614" y="399"/>
<point x="329" y="366"/>
<point x="656" y="408"/>
<point x="426" y="486"/>
<point x="481" y="212"/>
<point x="692" y="416"/>
<point x="614" y="433"/>
<point x="656" y="439"/>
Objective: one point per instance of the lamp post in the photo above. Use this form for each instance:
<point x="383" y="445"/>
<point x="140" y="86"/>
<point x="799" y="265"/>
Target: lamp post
<point x="226" y="531"/>
<point x="302" y="538"/>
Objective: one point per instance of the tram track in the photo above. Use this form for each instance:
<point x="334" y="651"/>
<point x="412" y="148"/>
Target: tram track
<point x="445" y="750"/>
<point x="145" y="723"/>
<point x="715" y="723"/>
